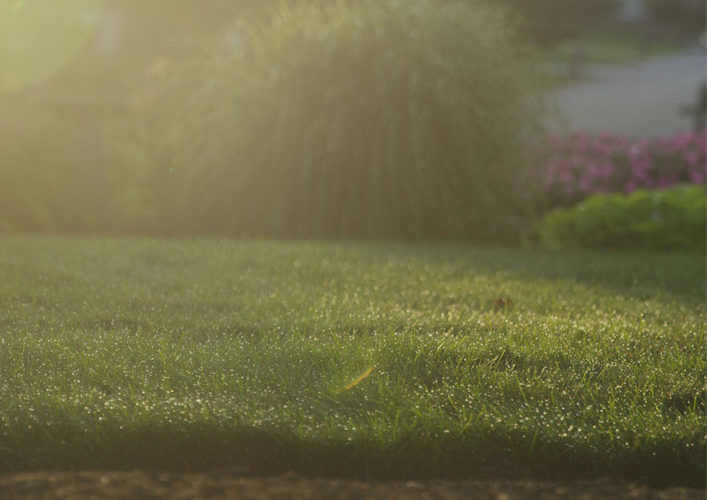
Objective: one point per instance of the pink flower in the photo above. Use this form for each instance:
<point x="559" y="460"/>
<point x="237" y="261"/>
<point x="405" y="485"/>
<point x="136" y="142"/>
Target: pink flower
<point x="582" y="164"/>
<point x="697" y="178"/>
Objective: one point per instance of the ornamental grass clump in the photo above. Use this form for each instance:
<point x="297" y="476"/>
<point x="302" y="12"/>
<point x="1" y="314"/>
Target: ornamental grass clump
<point x="582" y="164"/>
<point x="370" y="119"/>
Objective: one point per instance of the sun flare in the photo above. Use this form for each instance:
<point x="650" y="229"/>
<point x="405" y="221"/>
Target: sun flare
<point x="39" y="37"/>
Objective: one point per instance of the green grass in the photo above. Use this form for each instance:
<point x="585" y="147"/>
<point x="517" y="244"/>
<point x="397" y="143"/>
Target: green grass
<point x="609" y="46"/>
<point x="617" y="47"/>
<point x="195" y="354"/>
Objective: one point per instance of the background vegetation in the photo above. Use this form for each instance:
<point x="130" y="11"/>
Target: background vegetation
<point x="549" y="22"/>
<point x="325" y="118"/>
<point x="389" y="119"/>
<point x="329" y="119"/>
<point x="686" y="18"/>
<point x="669" y="219"/>
<point x="579" y="165"/>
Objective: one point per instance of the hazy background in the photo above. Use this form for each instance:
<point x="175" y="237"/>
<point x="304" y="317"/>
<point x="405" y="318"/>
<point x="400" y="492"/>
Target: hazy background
<point x="324" y="119"/>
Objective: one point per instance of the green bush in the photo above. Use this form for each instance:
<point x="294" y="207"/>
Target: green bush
<point x="395" y="119"/>
<point x="650" y="219"/>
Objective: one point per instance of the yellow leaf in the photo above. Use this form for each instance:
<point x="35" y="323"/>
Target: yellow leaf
<point x="360" y="379"/>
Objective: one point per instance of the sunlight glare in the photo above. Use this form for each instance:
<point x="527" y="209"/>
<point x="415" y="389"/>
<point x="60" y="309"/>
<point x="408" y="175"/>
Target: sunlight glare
<point x="39" y="37"/>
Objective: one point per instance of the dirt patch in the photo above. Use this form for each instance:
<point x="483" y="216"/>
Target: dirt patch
<point x="139" y="485"/>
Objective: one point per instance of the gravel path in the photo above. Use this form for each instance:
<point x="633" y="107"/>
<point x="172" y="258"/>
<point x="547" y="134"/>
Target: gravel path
<point x="139" y="485"/>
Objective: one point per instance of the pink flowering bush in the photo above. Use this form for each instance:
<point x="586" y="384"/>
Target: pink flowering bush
<point x="583" y="164"/>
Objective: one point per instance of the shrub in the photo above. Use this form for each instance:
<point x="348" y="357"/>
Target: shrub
<point x="582" y="164"/>
<point x="674" y="218"/>
<point x="396" y="119"/>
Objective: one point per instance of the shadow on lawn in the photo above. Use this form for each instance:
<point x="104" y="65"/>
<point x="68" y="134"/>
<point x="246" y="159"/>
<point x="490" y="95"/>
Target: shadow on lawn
<point x="252" y="451"/>
<point x="642" y="275"/>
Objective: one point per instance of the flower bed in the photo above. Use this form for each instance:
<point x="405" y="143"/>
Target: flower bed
<point x="582" y="164"/>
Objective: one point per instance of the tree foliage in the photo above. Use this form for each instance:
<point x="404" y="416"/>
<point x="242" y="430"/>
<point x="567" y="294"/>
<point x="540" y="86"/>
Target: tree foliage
<point x="548" y="22"/>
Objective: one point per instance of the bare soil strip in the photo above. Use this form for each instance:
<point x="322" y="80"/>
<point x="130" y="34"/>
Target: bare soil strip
<point x="230" y="484"/>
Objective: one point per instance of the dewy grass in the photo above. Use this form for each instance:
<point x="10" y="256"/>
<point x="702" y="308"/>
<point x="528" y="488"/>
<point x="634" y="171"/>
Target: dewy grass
<point x="198" y="354"/>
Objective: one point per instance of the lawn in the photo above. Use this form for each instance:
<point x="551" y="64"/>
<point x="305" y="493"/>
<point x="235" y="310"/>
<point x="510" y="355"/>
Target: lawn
<point x="619" y="46"/>
<point x="609" y="46"/>
<point x="359" y="360"/>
